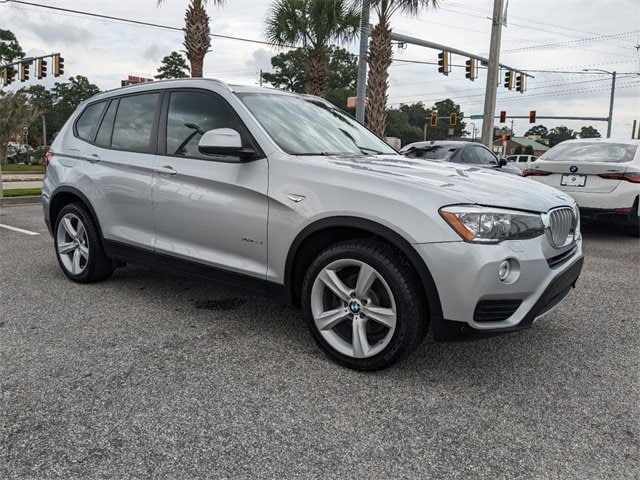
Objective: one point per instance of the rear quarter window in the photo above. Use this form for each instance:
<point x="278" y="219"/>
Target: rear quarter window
<point x="87" y="122"/>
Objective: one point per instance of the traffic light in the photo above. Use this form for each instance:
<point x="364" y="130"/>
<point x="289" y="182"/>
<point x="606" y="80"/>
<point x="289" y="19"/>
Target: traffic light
<point x="532" y="116"/>
<point x="58" y="65"/>
<point x="521" y="83"/>
<point x="41" y="68"/>
<point x="508" y="79"/>
<point x="24" y="71"/>
<point x="453" y="117"/>
<point x="434" y="119"/>
<point x="503" y="116"/>
<point x="471" y="69"/>
<point x="443" y="62"/>
<point x="6" y="76"/>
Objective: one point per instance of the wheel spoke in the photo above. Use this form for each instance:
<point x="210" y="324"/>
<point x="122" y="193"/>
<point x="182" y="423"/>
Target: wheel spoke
<point x="66" y="223"/>
<point x="360" y="342"/>
<point x="382" y="315"/>
<point x="329" y="319"/>
<point x="76" y="269"/>
<point x="65" y="248"/>
<point x="81" y="232"/>
<point x="366" y="277"/>
<point x="330" y="279"/>
<point x="84" y="251"/>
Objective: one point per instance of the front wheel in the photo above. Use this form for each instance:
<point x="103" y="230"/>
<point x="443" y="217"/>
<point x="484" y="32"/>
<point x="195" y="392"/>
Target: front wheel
<point x="78" y="246"/>
<point x="363" y="304"/>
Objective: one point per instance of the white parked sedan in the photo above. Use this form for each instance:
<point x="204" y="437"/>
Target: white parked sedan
<point x="602" y="175"/>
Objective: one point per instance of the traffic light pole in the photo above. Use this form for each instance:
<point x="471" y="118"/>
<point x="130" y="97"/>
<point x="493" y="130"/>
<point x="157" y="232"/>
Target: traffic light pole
<point x="492" y="74"/>
<point x="613" y="91"/>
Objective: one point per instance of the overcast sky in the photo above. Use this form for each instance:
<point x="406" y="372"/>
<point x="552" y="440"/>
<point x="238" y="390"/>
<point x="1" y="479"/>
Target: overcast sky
<point x="567" y="35"/>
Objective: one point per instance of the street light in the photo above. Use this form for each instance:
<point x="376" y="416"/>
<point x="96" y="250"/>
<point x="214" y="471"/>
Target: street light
<point x="613" y="91"/>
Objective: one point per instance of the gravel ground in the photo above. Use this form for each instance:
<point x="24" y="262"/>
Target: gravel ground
<point x="148" y="374"/>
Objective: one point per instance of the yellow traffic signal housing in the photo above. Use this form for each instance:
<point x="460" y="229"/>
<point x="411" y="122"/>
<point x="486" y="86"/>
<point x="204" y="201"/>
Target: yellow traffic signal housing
<point x="443" y="62"/>
<point x="5" y="77"/>
<point x="453" y="118"/>
<point x="434" y="119"/>
<point x="521" y="83"/>
<point x="24" y="71"/>
<point x="508" y="79"/>
<point x="58" y="65"/>
<point x="41" y="68"/>
<point x="471" y="69"/>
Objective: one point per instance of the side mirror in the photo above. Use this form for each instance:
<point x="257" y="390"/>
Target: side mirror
<point x="224" y="141"/>
<point x="502" y="161"/>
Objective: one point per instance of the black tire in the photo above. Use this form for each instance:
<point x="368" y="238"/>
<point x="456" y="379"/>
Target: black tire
<point x="395" y="278"/>
<point x="96" y="266"/>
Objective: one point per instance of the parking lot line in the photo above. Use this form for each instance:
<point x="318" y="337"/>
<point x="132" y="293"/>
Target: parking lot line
<point x="16" y="229"/>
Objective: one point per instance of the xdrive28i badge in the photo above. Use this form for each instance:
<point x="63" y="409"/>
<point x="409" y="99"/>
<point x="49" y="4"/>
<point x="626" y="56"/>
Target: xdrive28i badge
<point x="573" y="169"/>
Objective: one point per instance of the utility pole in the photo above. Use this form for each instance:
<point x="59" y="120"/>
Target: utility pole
<point x="361" y="89"/>
<point x="44" y="131"/>
<point x="613" y="91"/>
<point x="492" y="74"/>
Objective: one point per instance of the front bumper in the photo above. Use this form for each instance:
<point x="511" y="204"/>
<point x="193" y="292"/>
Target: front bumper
<point x="466" y="276"/>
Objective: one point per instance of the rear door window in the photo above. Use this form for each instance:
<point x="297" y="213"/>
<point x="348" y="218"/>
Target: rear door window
<point x="134" y="123"/>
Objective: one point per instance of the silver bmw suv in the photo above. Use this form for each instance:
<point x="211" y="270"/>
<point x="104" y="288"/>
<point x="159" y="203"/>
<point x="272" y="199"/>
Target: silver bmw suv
<point x="286" y="196"/>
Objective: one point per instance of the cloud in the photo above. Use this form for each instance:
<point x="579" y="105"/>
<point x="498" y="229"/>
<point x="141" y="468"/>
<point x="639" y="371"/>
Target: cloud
<point x="65" y="33"/>
<point x="156" y="52"/>
<point x="260" y="59"/>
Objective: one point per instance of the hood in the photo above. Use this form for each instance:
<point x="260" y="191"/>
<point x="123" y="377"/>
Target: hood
<point x="464" y="184"/>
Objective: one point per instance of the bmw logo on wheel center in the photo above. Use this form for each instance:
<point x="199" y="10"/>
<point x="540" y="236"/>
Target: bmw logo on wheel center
<point x="573" y="169"/>
<point x="354" y="307"/>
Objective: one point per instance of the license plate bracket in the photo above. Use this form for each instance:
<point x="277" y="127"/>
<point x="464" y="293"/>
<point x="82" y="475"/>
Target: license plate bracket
<point x="573" y="180"/>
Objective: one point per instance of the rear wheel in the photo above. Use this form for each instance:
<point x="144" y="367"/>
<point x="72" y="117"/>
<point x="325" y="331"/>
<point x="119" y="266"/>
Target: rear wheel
<point x="363" y="304"/>
<point x="78" y="246"/>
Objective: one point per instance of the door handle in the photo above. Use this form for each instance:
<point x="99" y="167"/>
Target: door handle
<point x="166" y="170"/>
<point x="93" y="158"/>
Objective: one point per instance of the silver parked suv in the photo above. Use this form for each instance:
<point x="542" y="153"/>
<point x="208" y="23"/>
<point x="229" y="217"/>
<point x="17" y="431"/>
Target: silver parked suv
<point x="287" y="196"/>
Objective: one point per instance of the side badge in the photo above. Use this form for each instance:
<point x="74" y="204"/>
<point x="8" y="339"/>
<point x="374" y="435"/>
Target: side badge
<point x="295" y="198"/>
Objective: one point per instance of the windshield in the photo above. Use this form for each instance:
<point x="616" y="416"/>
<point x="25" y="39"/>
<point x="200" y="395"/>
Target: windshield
<point x="306" y="126"/>
<point x="591" y="152"/>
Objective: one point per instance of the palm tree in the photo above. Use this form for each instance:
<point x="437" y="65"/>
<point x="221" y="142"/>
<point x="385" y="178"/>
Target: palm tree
<point x="380" y="57"/>
<point x="197" y="35"/>
<point x="312" y="24"/>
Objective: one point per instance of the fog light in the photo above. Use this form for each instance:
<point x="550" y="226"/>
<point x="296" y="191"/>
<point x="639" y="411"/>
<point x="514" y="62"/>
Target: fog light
<point x="504" y="270"/>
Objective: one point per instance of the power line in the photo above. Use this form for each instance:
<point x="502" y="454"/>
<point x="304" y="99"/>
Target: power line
<point x="135" y="22"/>
<point x="518" y="97"/>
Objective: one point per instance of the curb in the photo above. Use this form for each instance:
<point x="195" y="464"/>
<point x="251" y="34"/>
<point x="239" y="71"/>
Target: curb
<point x="26" y="200"/>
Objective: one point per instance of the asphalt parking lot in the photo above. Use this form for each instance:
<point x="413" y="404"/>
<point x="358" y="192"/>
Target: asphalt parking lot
<point x="148" y="374"/>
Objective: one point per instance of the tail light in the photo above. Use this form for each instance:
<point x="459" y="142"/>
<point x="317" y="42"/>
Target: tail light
<point x="633" y="177"/>
<point x="48" y="157"/>
<point x="528" y="172"/>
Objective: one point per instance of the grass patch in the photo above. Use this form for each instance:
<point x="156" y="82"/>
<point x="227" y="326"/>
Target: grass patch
<point x="22" y="192"/>
<point x="22" y="168"/>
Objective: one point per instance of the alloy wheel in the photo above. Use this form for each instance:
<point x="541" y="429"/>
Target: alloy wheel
<point x="353" y="308"/>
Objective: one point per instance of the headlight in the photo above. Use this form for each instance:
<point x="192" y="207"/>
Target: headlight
<point x="479" y="224"/>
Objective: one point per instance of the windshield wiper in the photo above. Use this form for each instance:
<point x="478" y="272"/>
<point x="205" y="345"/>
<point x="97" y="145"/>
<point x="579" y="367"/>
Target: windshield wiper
<point x="369" y="150"/>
